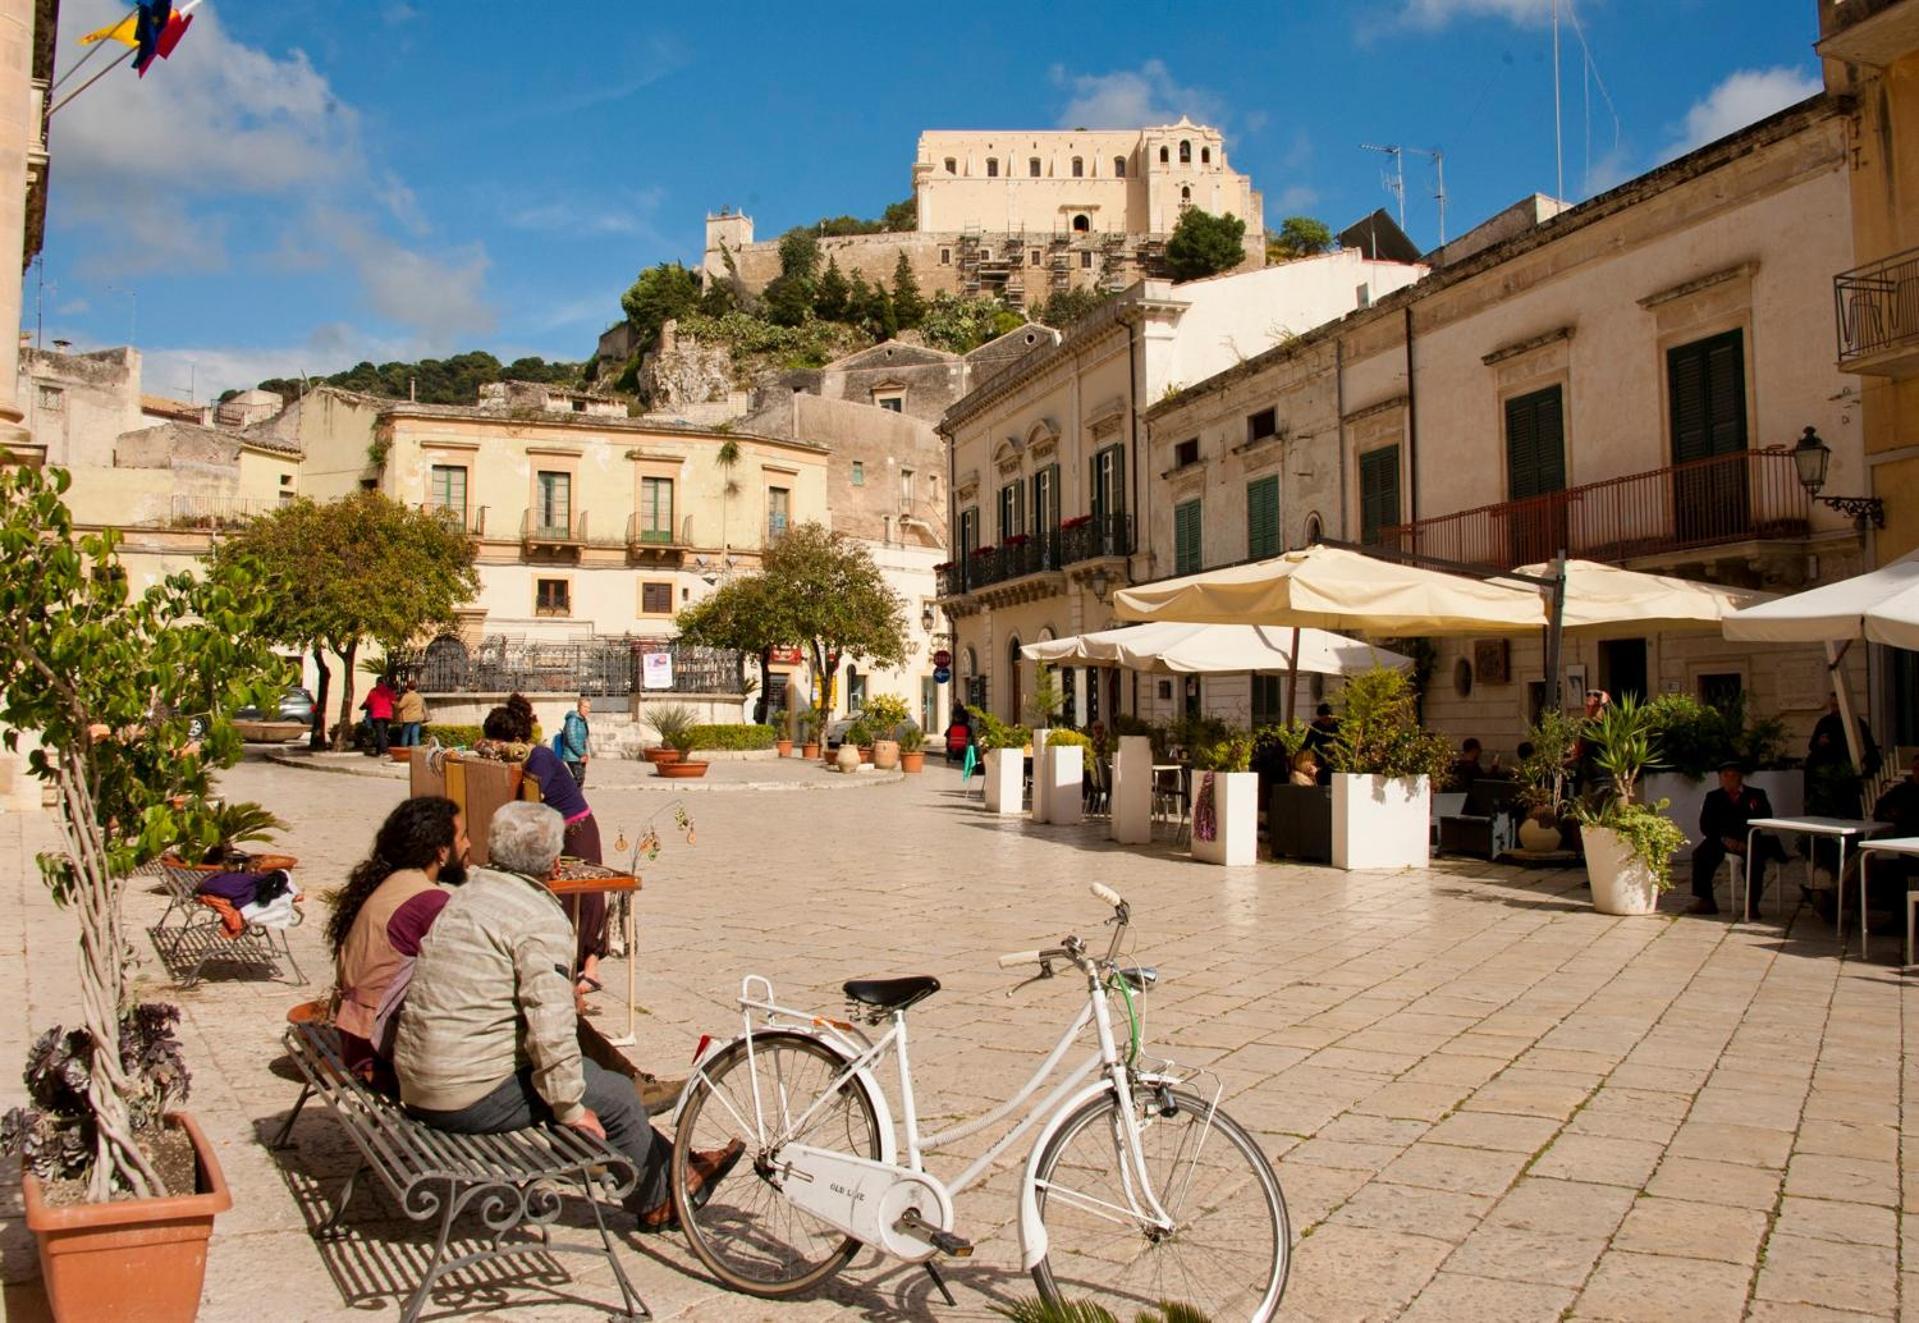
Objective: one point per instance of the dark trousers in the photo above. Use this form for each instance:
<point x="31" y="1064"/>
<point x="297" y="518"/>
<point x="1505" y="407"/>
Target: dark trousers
<point x="379" y="725"/>
<point x="588" y="911"/>
<point x="515" y="1105"/>
<point x="579" y="774"/>
<point x="1710" y="853"/>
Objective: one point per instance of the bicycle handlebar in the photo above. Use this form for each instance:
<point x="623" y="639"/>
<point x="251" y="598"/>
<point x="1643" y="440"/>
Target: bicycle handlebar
<point x="1103" y="892"/>
<point x="1020" y="958"/>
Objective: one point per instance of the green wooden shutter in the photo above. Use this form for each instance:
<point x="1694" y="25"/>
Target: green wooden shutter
<point x="1262" y="517"/>
<point x="1535" y="444"/>
<point x="1186" y="543"/>
<point x="1378" y="492"/>
<point x="1707" y="382"/>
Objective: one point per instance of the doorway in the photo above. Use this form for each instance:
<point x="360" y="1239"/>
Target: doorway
<point x="1622" y="668"/>
<point x="1015" y="697"/>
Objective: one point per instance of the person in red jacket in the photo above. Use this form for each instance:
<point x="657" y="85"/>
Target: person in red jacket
<point x="379" y="714"/>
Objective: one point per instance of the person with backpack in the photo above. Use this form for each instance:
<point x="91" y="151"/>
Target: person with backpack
<point x="573" y="741"/>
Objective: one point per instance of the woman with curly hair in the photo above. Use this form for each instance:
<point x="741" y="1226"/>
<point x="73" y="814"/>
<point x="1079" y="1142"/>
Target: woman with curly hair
<point x="390" y="900"/>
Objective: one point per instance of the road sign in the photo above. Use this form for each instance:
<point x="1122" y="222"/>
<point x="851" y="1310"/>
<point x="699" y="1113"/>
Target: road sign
<point x="942" y="659"/>
<point x="941" y="675"/>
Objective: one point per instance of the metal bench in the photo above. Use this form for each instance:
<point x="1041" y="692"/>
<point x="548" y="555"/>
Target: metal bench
<point x="514" y="1181"/>
<point x="190" y="933"/>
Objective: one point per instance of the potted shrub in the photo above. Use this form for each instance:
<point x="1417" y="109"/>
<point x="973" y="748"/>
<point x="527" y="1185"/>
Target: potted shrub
<point x="783" y="746"/>
<point x="681" y="768"/>
<point x="1059" y="773"/>
<point x="212" y="839"/>
<point x="1695" y="739"/>
<point x="1630" y="844"/>
<point x="125" y="1234"/>
<point x="884" y="716"/>
<point x="1384" y="771"/>
<point x="671" y="720"/>
<point x="809" y="746"/>
<point x="1226" y="801"/>
<point x="1545" y="775"/>
<point x="912" y="749"/>
<point x="1001" y="748"/>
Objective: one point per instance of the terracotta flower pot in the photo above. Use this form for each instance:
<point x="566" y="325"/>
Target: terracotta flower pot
<point x="915" y="761"/>
<point x="785" y="747"/>
<point x="134" y="1259"/>
<point x="662" y="754"/>
<point x="866" y="753"/>
<point x="402" y="754"/>
<point x="846" y="758"/>
<point x="680" y="771"/>
<point x="810" y="750"/>
<point x="886" y="755"/>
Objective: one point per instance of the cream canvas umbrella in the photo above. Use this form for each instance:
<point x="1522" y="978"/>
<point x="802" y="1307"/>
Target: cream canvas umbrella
<point x="1601" y="598"/>
<point x="1326" y="587"/>
<point x="1168" y="647"/>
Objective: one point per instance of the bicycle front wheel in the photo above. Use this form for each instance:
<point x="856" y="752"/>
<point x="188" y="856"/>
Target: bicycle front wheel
<point x="1227" y="1253"/>
<point x="747" y="1233"/>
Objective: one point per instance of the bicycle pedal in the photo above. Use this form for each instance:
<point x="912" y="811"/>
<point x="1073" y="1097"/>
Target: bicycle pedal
<point x="911" y="1223"/>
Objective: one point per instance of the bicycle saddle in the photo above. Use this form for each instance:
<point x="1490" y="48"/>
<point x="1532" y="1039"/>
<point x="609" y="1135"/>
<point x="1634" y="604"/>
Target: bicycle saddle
<point x="892" y="994"/>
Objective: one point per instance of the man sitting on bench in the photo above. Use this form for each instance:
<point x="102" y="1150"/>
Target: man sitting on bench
<point x="489" y="1042"/>
<point x="1722" y="828"/>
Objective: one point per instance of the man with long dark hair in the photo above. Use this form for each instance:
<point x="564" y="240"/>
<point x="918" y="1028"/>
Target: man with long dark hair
<point x="390" y="900"/>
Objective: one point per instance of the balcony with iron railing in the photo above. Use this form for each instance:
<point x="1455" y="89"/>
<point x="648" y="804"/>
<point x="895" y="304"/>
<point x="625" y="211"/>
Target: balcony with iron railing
<point x="1747" y="496"/>
<point x="1876" y="308"/>
<point x="471" y="518"/>
<point x="542" y="529"/>
<point x="1077" y="540"/>
<point x="643" y="537"/>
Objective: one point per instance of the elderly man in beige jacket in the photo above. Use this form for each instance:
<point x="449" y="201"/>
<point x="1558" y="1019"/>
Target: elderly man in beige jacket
<point x="489" y="1041"/>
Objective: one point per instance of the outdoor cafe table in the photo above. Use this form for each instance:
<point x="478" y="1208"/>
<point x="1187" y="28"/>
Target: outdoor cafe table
<point x="1841" y="829"/>
<point x="576" y="878"/>
<point x="1895" y="845"/>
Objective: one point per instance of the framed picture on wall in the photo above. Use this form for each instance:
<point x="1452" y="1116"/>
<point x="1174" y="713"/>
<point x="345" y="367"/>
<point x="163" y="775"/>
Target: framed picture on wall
<point x="1493" y="661"/>
<point x="1575" y="691"/>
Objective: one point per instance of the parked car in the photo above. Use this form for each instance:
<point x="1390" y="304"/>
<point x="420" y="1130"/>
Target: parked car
<point x="836" y="732"/>
<point x="296" y="704"/>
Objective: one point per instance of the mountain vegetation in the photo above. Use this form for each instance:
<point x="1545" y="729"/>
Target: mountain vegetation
<point x="1203" y="244"/>
<point x="455" y="380"/>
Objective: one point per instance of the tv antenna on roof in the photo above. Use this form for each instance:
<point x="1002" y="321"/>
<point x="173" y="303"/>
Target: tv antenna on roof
<point x="1396" y="181"/>
<point x="1438" y="157"/>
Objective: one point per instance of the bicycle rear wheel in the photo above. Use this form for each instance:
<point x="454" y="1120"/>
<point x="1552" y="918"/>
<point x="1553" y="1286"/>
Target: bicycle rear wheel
<point x="747" y="1234"/>
<point x="1227" y="1255"/>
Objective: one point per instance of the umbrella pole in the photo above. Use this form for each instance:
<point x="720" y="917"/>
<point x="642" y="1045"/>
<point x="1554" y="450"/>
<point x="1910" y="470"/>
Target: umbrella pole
<point x="1555" y="631"/>
<point x="1835" y="657"/>
<point x="1292" y="681"/>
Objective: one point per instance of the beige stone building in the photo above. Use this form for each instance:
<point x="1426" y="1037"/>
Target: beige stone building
<point x="1022" y="214"/>
<point x="1048" y="487"/>
<point x="1619" y="379"/>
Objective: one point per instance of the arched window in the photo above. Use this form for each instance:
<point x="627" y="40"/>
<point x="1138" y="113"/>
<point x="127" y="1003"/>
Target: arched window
<point x="1206" y="156"/>
<point x="1185" y="153"/>
<point x="969" y="662"/>
<point x="1162" y="156"/>
<point x="952" y="166"/>
<point x="1032" y="166"/>
<point x="1079" y="168"/>
<point x="1313" y="528"/>
<point x="1082" y="224"/>
<point x="1185" y="197"/>
<point x="1119" y="167"/>
<point x="992" y="167"/>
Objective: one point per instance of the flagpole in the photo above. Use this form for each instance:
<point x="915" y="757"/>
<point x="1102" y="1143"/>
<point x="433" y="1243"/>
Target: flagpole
<point x="58" y="105"/>
<point x="79" y="64"/>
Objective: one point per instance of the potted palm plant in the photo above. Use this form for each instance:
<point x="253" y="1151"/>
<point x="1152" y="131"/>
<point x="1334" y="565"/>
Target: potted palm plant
<point x="1385" y="769"/>
<point x="212" y="839"/>
<point x="809" y="744"/>
<point x="912" y="748"/>
<point x="681" y="768"/>
<point x="671" y="720"/>
<point x="1226" y="801"/>
<point x="120" y="1187"/>
<point x="1545" y="774"/>
<point x="1630" y="844"/>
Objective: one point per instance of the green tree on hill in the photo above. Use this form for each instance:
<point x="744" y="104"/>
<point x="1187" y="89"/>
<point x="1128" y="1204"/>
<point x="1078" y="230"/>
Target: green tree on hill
<point x="908" y="306"/>
<point x="902" y="217"/>
<point x="1203" y="244"/>
<point x="662" y="293"/>
<point x="455" y="380"/>
<point x="1299" y="236"/>
<point x="829" y="300"/>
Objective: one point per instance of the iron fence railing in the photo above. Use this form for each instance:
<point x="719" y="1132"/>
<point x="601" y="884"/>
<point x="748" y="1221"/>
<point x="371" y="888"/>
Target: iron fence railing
<point x="1877" y="306"/>
<point x="595" y="667"/>
<point x="471" y="518"/>
<point x="1102" y="535"/>
<point x="639" y="535"/>
<point x="569" y="529"/>
<point x="1744" y="496"/>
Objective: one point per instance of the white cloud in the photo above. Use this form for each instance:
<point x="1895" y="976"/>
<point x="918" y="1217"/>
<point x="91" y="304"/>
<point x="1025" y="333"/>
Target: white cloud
<point x="1438" y="13"/>
<point x="1609" y="171"/>
<point x="441" y="300"/>
<point x="1739" y="100"/>
<point x="626" y="213"/>
<point x="1132" y="99"/>
<point x="207" y="370"/>
<point x="1294" y="201"/>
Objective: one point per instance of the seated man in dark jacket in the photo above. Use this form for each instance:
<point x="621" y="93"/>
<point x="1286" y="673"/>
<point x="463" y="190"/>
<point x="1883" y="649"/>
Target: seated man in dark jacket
<point x="1722" y="829"/>
<point x="1891" y="874"/>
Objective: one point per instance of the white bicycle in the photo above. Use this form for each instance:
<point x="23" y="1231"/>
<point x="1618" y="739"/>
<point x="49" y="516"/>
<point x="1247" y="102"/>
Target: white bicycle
<point x="1138" y="1189"/>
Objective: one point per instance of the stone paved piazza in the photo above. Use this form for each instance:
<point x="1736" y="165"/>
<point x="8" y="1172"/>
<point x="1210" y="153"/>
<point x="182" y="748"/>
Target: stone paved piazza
<point x="1487" y="1102"/>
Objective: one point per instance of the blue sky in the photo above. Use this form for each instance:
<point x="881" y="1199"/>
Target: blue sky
<point x="303" y="186"/>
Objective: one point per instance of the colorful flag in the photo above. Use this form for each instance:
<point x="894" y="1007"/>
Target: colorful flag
<point x="157" y="31"/>
<point x="122" y="32"/>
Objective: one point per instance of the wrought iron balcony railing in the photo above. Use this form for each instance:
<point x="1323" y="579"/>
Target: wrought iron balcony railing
<point x="1877" y="311"/>
<point x="562" y="529"/>
<point x="1037" y="553"/>
<point x="471" y="518"/>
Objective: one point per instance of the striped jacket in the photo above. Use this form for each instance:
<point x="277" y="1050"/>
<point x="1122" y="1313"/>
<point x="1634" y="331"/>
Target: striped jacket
<point x="492" y="994"/>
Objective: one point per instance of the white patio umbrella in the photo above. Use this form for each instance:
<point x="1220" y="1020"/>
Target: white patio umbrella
<point x="1168" y="647"/>
<point x="1600" y="598"/>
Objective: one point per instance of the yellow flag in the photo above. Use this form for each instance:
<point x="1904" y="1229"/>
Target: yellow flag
<point x="121" y="32"/>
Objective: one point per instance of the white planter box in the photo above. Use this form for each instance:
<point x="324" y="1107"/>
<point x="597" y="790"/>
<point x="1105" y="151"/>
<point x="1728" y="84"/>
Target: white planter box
<point x="1065" y="768"/>
<point x="1235" y="818"/>
<point x="1132" y="821"/>
<point x="1381" y="822"/>
<point x="1005" y="782"/>
<point x="1786" y="789"/>
<point x="1039" y="774"/>
<point x="1621" y="883"/>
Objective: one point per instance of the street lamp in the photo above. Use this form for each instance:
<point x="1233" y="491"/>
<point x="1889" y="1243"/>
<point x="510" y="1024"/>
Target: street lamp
<point x="1101" y="583"/>
<point x="926" y="618"/>
<point x="1811" y="457"/>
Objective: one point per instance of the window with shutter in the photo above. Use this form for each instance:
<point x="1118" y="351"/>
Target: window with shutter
<point x="1706" y="382"/>
<point x="1012" y="510"/>
<point x="1186" y="542"/>
<point x="1262" y="517"/>
<point x="1535" y="444"/>
<point x="1378" y="492"/>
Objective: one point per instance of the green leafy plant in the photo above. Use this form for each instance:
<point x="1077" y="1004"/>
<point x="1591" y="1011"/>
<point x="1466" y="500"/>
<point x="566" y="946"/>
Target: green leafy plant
<point x="1044" y="703"/>
<point x="211" y="836"/>
<point x="989" y="732"/>
<point x="1380" y="735"/>
<point x="1233" y="752"/>
<point x="1064" y="737"/>
<point x="672" y="721"/>
<point x="1625" y="747"/>
<point x="1546" y="770"/>
<point x="450" y="735"/>
<point x="912" y="738"/>
<point x="736" y="737"/>
<point x="885" y="714"/>
<point x="1693" y="738"/>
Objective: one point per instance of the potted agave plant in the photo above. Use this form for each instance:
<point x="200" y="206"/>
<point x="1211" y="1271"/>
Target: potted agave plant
<point x="212" y="840"/>
<point x="120" y="1187"/>
<point x="1630" y="844"/>
<point x="682" y="767"/>
<point x="671" y="720"/>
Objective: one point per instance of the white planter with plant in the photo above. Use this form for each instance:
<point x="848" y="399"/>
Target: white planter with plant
<point x="1696" y="739"/>
<point x="1132" y="793"/>
<point x="1630" y="844"/>
<point x="1384" y="770"/>
<point x="1040" y="737"/>
<point x="1226" y="802"/>
<point x="1064" y="756"/>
